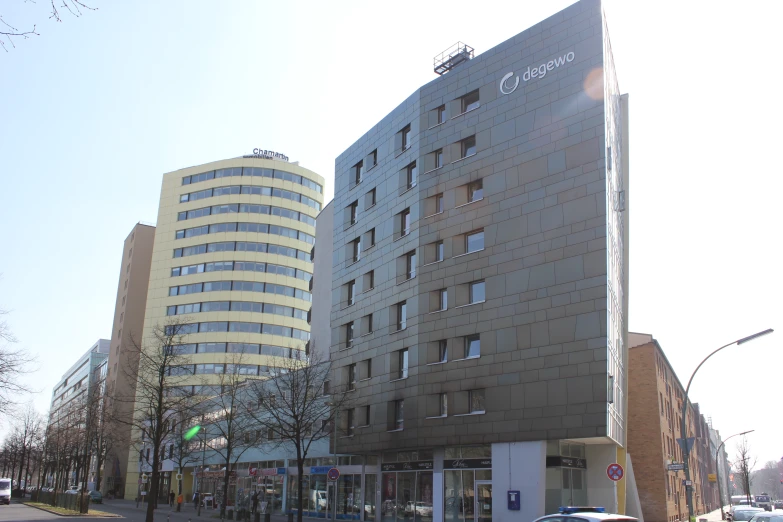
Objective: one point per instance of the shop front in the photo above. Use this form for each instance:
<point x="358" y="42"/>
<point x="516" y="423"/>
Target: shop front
<point x="210" y="488"/>
<point x="467" y="484"/>
<point x="406" y="487"/>
<point x="566" y="474"/>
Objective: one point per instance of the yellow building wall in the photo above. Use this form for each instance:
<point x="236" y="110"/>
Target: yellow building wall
<point x="163" y="261"/>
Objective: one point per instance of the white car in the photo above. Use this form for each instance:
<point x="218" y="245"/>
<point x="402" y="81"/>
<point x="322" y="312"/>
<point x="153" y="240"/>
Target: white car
<point x="585" y="514"/>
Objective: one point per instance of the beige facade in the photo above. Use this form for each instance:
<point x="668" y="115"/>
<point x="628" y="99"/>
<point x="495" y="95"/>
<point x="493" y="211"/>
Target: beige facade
<point x="134" y="277"/>
<point x="232" y="254"/>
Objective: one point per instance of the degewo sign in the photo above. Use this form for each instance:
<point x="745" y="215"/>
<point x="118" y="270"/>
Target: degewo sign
<point x="535" y="72"/>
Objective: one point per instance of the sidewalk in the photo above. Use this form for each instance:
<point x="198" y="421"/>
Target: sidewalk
<point x="713" y="516"/>
<point x="165" y="512"/>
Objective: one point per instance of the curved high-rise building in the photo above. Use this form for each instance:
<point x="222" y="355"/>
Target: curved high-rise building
<point x="232" y="258"/>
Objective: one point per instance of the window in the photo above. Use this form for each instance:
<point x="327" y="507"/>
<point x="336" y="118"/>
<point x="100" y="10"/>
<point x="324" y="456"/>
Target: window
<point x="443" y="299"/>
<point x="477" y="292"/>
<point x="356" y="249"/>
<point x="403" y="363"/>
<point x="402" y="315"/>
<point x="351" y="292"/>
<point x="368" y="373"/>
<point x="366" y="416"/>
<point x="476" y="401"/>
<point x="369" y="280"/>
<point x="405" y="222"/>
<point x="406" y="137"/>
<point x="439" y="251"/>
<point x="443" y="351"/>
<point x="352" y="376"/>
<point x="474" y="241"/>
<point x="472" y="346"/>
<point x="439" y="203"/>
<point x="349" y="422"/>
<point x="326" y="387"/>
<point x="372" y="159"/>
<point x="399" y="414"/>
<point x="349" y="334"/>
<point x="441" y="114"/>
<point x="438" y="158"/>
<point x="353" y="210"/>
<point x="367" y="327"/>
<point x="444" y="405"/>
<point x="468" y="147"/>
<point x="369" y="199"/>
<point x="358" y="172"/>
<point x="370" y="238"/>
<point x="470" y="101"/>
<point x="411" y="173"/>
<point x="410" y="265"/>
<point x="475" y="191"/>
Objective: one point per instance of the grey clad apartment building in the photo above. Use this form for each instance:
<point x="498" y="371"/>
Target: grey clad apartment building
<point x="479" y="294"/>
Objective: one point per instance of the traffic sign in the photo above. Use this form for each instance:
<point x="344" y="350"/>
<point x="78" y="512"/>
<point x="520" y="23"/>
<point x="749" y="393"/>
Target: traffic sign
<point x="333" y="474"/>
<point x="677" y="466"/>
<point x="687" y="482"/>
<point x="179" y="476"/>
<point x="144" y="478"/>
<point x="712" y="477"/>
<point x="614" y="472"/>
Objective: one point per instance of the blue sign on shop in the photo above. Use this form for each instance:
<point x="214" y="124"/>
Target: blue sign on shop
<point x="320" y="470"/>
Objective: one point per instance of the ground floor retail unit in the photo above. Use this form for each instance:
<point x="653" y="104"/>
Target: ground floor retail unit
<point x="500" y="482"/>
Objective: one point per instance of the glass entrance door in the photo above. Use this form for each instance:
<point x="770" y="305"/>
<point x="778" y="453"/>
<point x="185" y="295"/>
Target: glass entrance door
<point x="483" y="498"/>
<point x="574" y="491"/>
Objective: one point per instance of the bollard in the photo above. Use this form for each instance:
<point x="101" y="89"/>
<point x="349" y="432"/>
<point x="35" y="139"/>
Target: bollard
<point x="268" y="516"/>
<point x="290" y="516"/>
<point x="257" y="517"/>
<point x="230" y="514"/>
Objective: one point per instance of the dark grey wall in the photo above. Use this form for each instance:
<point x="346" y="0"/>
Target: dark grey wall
<point x="541" y="158"/>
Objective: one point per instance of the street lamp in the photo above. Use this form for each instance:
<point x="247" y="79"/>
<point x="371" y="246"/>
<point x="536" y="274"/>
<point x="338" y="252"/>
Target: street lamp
<point x="717" y="470"/>
<point x="686" y="449"/>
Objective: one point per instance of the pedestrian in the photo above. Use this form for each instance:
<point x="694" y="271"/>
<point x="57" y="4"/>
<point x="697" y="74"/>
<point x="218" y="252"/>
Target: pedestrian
<point x="171" y="499"/>
<point x="180" y="499"/>
<point x="255" y="501"/>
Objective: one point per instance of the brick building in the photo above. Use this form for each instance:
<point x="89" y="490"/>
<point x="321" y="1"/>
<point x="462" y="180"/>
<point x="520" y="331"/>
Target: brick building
<point x="655" y="405"/>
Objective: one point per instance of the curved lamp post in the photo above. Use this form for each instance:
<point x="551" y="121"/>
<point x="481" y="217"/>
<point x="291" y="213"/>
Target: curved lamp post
<point x="717" y="470"/>
<point x="686" y="449"/>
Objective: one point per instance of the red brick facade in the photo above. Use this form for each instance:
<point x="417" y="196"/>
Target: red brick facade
<point x="655" y="397"/>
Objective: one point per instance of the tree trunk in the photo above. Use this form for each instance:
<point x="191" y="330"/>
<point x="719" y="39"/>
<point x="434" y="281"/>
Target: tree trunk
<point x="152" y="494"/>
<point x="299" y="500"/>
<point x="225" y="483"/>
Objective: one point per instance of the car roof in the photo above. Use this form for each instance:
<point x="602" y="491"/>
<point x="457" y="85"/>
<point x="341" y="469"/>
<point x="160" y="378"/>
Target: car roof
<point x="593" y="515"/>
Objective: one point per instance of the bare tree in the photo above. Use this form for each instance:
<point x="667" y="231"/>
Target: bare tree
<point x="29" y="428"/>
<point x="744" y="466"/>
<point x="184" y="452"/>
<point x="9" y="32"/>
<point x="158" y="401"/>
<point x="230" y="430"/>
<point x="13" y="364"/>
<point x="297" y="407"/>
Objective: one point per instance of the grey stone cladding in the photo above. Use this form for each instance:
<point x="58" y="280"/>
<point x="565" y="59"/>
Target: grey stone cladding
<point x="540" y="154"/>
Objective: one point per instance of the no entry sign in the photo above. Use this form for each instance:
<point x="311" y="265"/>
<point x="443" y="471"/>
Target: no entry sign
<point x="614" y="472"/>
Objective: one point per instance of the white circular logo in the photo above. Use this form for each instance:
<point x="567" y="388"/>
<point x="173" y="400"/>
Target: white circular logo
<point x="505" y="87"/>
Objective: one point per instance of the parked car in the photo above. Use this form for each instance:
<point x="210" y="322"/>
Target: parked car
<point x="590" y="514"/>
<point x="96" y="497"/>
<point x="744" y="512"/>
<point x="72" y="490"/>
<point x="421" y="509"/>
<point x="779" y="504"/>
<point x="767" y="516"/>
<point x="5" y="491"/>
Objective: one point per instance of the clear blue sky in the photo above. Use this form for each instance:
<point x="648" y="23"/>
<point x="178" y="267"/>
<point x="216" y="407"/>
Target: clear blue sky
<point x="97" y="108"/>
